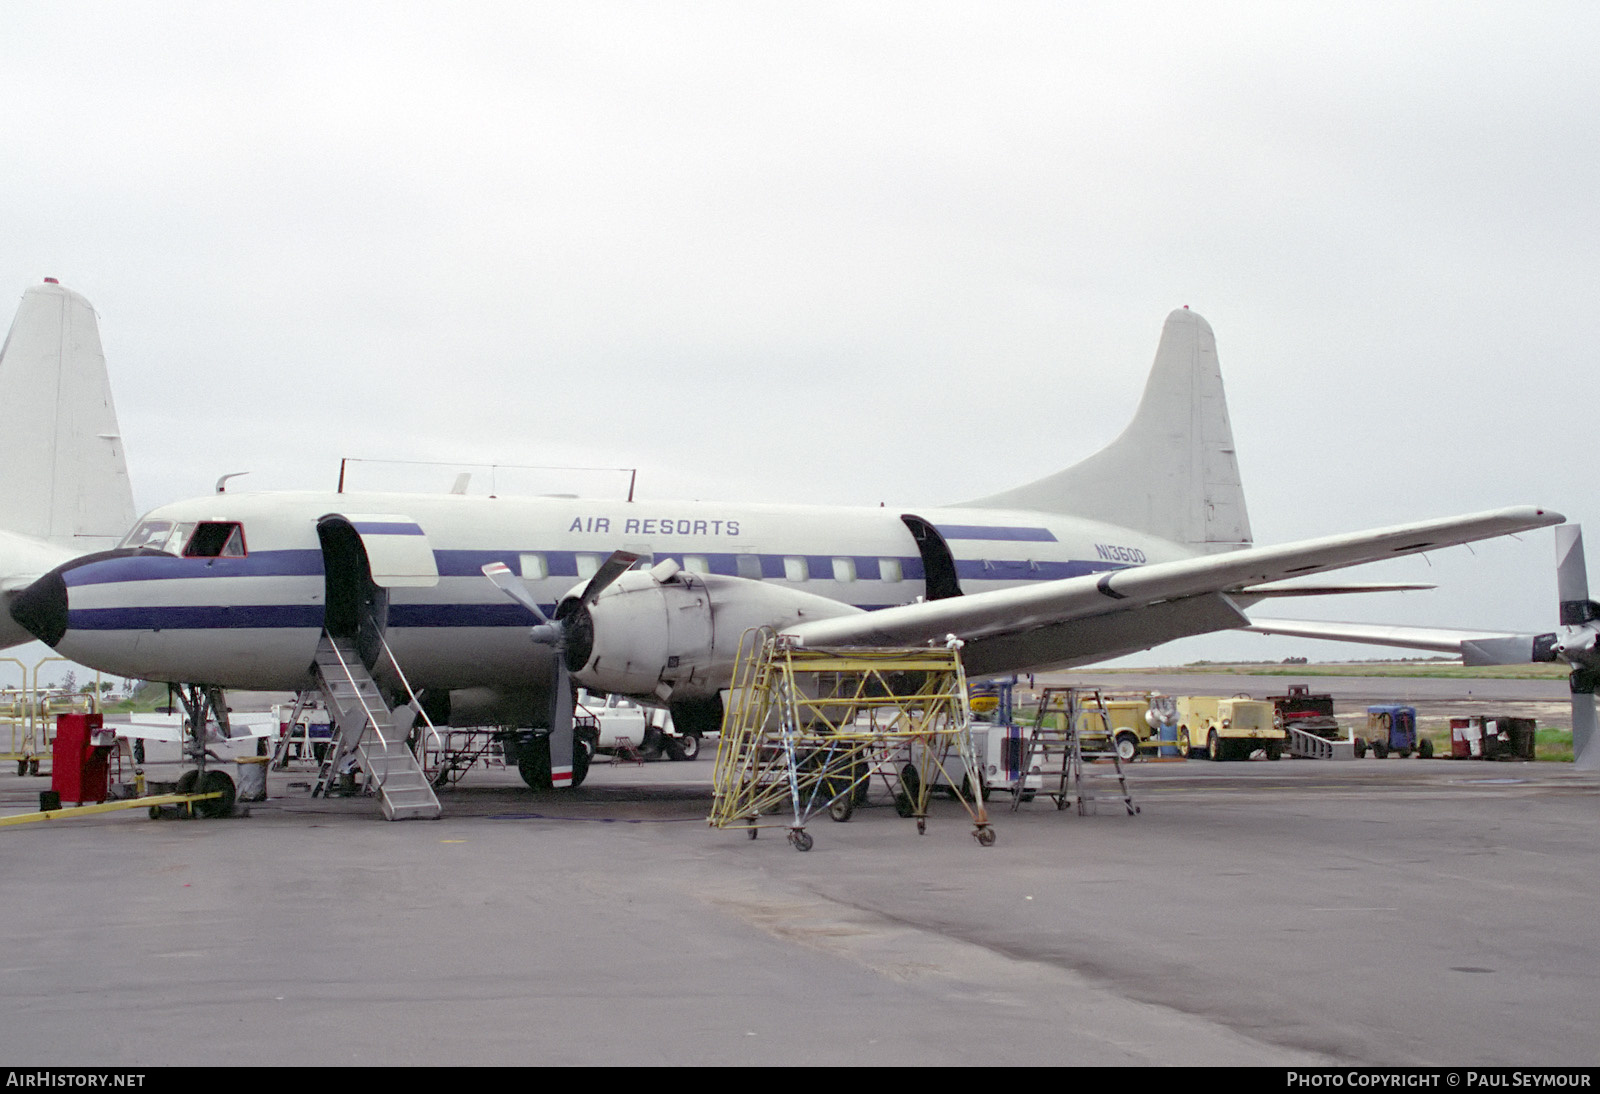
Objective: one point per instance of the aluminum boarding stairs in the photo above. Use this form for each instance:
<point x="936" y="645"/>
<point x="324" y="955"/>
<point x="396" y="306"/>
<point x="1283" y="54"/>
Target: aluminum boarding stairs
<point x="367" y="728"/>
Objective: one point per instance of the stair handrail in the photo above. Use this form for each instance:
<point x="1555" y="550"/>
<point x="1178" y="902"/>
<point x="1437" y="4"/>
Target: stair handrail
<point x="372" y="719"/>
<point x="416" y="703"/>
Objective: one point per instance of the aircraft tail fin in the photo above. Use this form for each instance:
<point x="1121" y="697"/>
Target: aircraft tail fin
<point x="63" y="477"/>
<point x="1172" y="472"/>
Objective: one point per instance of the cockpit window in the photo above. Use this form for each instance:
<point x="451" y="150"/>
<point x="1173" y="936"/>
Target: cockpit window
<point x="216" y="539"/>
<point x="149" y="533"/>
<point x="160" y="535"/>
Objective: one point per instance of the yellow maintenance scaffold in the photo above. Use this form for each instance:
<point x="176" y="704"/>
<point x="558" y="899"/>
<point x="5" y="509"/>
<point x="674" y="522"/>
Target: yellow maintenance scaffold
<point x="806" y="729"/>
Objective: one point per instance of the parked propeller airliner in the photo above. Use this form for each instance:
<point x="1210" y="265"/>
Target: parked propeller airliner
<point x="1144" y="542"/>
<point x="64" y="487"/>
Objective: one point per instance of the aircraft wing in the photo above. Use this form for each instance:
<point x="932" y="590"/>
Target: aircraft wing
<point x="1082" y="619"/>
<point x="1473" y="647"/>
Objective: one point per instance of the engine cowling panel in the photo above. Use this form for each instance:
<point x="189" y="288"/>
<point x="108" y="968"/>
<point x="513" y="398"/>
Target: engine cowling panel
<point x="675" y="637"/>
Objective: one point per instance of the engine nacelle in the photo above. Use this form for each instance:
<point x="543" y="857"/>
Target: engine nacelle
<point x="671" y="635"/>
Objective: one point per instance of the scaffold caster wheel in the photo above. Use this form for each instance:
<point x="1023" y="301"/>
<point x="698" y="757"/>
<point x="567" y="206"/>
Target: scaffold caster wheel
<point x="984" y="836"/>
<point x="800" y="838"/>
<point x="922" y="826"/>
<point x="752" y="831"/>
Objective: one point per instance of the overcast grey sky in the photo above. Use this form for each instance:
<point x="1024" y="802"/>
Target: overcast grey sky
<point x="862" y="252"/>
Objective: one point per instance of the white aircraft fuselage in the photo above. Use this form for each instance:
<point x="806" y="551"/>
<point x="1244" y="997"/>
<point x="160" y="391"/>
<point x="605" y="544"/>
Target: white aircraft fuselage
<point x="254" y="620"/>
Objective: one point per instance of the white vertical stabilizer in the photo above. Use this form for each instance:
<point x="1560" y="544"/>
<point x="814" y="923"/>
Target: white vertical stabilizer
<point x="1172" y="472"/>
<point x="63" y="478"/>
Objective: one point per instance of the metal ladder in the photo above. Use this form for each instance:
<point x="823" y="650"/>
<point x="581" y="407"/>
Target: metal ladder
<point x="367" y="728"/>
<point x="1060" y="752"/>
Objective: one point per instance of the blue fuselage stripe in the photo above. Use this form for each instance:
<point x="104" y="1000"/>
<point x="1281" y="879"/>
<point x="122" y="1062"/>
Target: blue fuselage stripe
<point x="196" y="617"/>
<point x="465" y="564"/>
<point x="155" y="567"/>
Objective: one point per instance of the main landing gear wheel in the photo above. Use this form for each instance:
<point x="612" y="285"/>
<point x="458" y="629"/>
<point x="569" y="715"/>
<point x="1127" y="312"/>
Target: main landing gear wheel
<point x="213" y="782"/>
<point x="690" y="745"/>
<point x="800" y="838"/>
<point x="580" y="762"/>
<point x="533" y="763"/>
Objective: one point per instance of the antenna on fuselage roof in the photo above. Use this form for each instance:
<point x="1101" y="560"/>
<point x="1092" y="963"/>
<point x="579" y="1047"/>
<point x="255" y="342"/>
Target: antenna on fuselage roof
<point x="463" y="478"/>
<point x="222" y="482"/>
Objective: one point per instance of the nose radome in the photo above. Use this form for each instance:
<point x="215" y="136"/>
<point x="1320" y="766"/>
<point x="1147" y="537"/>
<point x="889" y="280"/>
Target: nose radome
<point x="41" y="608"/>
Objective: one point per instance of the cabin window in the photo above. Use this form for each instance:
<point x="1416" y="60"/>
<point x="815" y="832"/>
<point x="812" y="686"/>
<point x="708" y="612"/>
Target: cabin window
<point x="588" y="563"/>
<point x="889" y="568"/>
<point x="844" y="569"/>
<point x="748" y="566"/>
<point x="216" y="539"/>
<point x="535" y="567"/>
<point x="794" y="569"/>
<point x="696" y="564"/>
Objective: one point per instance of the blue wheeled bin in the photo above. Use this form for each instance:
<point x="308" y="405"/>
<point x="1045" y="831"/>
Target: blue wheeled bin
<point x="1393" y="728"/>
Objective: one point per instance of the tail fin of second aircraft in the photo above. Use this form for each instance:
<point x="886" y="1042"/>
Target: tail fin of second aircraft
<point x="63" y="478"/>
<point x="1172" y="472"/>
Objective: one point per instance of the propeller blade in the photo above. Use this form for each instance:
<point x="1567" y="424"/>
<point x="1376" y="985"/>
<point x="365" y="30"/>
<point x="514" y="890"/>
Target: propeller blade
<point x="1515" y="649"/>
<point x="1585" y="757"/>
<point x="510" y="584"/>
<point x="612" y="568"/>
<point x="561" y="743"/>
<point x="1572" y="577"/>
